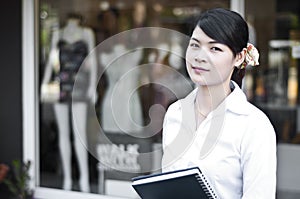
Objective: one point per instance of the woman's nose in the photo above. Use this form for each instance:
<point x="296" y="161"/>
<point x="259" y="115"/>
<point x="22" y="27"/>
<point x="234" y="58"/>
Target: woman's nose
<point x="201" y="56"/>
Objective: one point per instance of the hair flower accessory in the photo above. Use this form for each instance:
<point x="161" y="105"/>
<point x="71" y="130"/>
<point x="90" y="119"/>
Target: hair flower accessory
<point x="251" y="57"/>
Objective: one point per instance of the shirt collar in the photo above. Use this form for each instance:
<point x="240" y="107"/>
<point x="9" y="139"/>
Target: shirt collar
<point x="235" y="102"/>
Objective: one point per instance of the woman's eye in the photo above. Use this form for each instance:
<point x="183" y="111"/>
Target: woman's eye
<point x="216" y="49"/>
<point x="194" y="45"/>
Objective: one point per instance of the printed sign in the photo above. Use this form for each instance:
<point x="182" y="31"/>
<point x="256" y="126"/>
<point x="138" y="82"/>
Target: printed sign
<point x="124" y="156"/>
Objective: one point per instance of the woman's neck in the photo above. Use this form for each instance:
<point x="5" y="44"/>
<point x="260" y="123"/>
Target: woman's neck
<point x="210" y="97"/>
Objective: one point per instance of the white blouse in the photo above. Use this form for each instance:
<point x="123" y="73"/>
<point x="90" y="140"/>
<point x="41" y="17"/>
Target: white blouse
<point x="235" y="146"/>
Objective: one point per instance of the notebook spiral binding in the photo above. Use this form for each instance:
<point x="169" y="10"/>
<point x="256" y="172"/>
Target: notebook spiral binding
<point x="206" y="187"/>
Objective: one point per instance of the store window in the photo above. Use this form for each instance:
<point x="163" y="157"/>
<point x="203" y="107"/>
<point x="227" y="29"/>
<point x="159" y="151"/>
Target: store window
<point x="102" y="94"/>
<point x="274" y="86"/>
<point x="276" y="31"/>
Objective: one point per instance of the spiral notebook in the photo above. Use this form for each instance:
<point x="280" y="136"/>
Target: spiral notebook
<point x="186" y="183"/>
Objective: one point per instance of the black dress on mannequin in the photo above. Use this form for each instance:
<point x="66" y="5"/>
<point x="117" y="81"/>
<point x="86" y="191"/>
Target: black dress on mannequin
<point x="71" y="56"/>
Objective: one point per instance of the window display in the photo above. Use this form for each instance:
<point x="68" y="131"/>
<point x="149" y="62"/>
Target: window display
<point x="101" y="109"/>
<point x="71" y="45"/>
<point x="103" y="95"/>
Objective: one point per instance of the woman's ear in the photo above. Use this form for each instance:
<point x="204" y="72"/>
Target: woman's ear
<point x="240" y="57"/>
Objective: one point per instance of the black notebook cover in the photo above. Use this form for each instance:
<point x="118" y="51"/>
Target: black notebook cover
<point x="187" y="183"/>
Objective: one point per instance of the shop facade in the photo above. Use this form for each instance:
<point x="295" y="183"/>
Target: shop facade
<point x="101" y="162"/>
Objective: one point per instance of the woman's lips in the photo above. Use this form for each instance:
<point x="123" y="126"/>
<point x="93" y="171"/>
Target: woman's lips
<point x="199" y="69"/>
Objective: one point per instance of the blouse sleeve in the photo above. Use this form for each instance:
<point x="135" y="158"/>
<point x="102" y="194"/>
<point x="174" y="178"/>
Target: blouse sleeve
<point x="258" y="159"/>
<point x="170" y="120"/>
<point x="169" y="133"/>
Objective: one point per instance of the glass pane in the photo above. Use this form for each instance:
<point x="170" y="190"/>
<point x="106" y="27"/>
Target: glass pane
<point x="274" y="86"/>
<point x="104" y="94"/>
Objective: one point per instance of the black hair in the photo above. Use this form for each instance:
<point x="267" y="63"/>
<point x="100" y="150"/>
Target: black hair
<point x="229" y="28"/>
<point x="73" y="15"/>
<point x="77" y="16"/>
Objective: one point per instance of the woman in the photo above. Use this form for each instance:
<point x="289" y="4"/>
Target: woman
<point x="215" y="127"/>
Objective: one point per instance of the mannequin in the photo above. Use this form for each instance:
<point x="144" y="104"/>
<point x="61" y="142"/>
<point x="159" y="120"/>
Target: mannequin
<point x="70" y="46"/>
<point x="139" y="13"/>
<point x="121" y="107"/>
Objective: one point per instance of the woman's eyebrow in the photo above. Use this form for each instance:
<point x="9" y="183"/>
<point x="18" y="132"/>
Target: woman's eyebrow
<point x="193" y="38"/>
<point x="210" y="42"/>
<point x="213" y="42"/>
